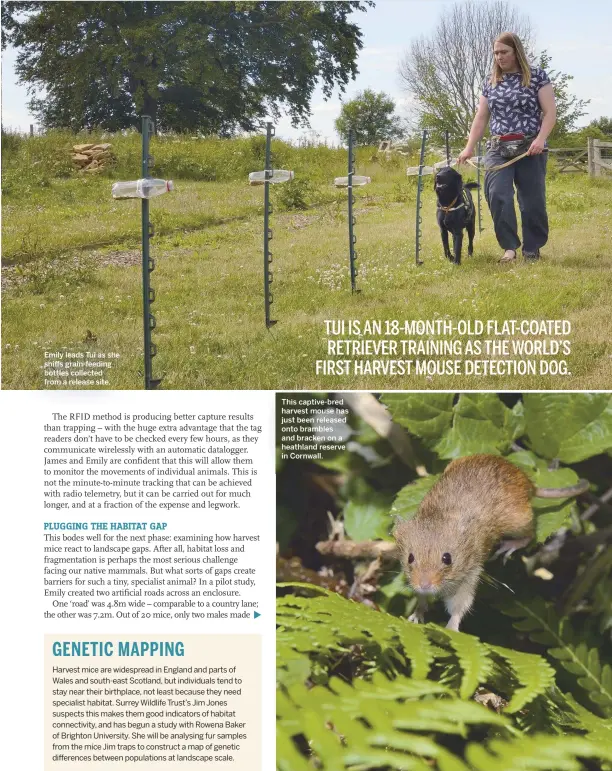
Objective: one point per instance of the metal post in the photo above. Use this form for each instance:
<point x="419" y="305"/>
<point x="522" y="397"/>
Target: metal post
<point x="419" y="219"/>
<point x="478" y="180"/>
<point x="148" y="265"/>
<point x="351" y="217"/>
<point x="268" y="277"/>
<point x="448" y="160"/>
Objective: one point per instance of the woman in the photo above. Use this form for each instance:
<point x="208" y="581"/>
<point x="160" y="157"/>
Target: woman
<point x="519" y="99"/>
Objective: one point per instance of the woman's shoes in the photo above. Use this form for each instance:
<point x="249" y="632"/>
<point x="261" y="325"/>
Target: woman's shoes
<point x="510" y="256"/>
<point x="531" y="256"/>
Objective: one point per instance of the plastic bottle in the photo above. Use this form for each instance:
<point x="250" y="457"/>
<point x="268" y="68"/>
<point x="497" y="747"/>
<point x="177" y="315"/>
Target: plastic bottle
<point x="412" y="171"/>
<point x="444" y="164"/>
<point x="278" y="175"/>
<point x="142" y="188"/>
<point x="357" y="181"/>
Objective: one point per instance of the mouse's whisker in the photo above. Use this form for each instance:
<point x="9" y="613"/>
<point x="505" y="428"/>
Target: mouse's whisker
<point x="486" y="578"/>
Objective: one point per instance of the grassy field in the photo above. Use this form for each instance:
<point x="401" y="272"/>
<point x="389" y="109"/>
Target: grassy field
<point x="72" y="279"/>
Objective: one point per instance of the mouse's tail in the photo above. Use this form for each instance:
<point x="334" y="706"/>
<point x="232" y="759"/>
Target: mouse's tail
<point x="563" y="492"/>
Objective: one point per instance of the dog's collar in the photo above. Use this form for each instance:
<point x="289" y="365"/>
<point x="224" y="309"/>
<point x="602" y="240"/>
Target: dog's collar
<point x="451" y="206"/>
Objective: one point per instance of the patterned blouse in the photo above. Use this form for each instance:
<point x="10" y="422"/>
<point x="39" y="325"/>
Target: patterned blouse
<point x="514" y="107"/>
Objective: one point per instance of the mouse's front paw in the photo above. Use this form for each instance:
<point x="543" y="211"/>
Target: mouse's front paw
<point x="510" y="545"/>
<point x="416" y="618"/>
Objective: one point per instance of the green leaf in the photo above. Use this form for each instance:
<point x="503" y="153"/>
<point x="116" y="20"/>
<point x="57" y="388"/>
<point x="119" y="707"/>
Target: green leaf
<point x="545" y="627"/>
<point x="598" y="728"/>
<point x="524" y="459"/>
<point x="409" y="498"/>
<point x="397" y="585"/>
<point x="478" y="423"/>
<point x="552" y="514"/>
<point x="533" y="672"/>
<point x="550" y="519"/>
<point x="562" y="477"/>
<point x="481" y="424"/>
<point x="381" y="713"/>
<point x="369" y="519"/>
<point x="449" y="716"/>
<point x="330" y="622"/>
<point x="425" y="415"/>
<point x="536" y="753"/>
<point x="570" y="427"/>
<point x="288" y="757"/>
<point x="473" y="658"/>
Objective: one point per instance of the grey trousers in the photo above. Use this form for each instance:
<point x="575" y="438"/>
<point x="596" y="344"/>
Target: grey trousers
<point x="529" y="177"/>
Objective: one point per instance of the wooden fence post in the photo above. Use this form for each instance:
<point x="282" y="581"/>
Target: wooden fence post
<point x="597" y="171"/>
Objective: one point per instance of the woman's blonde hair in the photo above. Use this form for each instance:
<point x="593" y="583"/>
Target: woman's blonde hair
<point x="512" y="40"/>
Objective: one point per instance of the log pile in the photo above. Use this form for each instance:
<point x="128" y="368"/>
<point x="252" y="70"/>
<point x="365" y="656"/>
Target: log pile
<point x="92" y="158"/>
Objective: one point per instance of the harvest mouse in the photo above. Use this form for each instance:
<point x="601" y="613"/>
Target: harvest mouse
<point x="476" y="501"/>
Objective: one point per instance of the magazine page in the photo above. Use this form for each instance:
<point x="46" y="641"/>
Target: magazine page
<point x="344" y="261"/>
<point x="140" y="566"/>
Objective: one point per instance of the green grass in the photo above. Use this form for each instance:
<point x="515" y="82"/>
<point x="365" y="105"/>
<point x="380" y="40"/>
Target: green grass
<point x="72" y="277"/>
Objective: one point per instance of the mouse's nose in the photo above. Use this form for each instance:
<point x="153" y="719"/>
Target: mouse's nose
<point x="426" y="585"/>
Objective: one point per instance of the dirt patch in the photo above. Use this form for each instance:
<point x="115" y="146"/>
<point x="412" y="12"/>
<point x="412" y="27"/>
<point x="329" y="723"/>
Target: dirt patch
<point x="299" y="221"/>
<point x="66" y="269"/>
<point x="120" y="259"/>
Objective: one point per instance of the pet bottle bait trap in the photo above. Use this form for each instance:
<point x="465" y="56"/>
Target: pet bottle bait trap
<point x="142" y="188"/>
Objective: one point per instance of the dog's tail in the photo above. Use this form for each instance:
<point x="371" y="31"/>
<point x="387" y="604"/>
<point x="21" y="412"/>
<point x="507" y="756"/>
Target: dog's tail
<point x="471" y="185"/>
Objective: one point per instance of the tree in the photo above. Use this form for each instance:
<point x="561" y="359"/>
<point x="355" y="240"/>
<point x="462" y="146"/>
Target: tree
<point x="209" y="67"/>
<point x="569" y="107"/>
<point x="371" y="117"/>
<point x="446" y="71"/>
<point x="603" y="124"/>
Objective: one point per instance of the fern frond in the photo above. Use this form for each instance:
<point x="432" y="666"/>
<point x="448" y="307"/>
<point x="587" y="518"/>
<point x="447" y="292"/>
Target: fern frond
<point x="533" y="673"/>
<point x="292" y="667"/>
<point x="386" y="717"/>
<point x="366" y="718"/>
<point x="472" y="657"/>
<point x="366" y="760"/>
<point x="333" y="624"/>
<point x="288" y="757"/>
<point x="602" y="605"/>
<point x="543" y="626"/>
<point x="415" y="642"/>
<point x="536" y="753"/>
<point x="596" y="727"/>
<point x="399" y="688"/>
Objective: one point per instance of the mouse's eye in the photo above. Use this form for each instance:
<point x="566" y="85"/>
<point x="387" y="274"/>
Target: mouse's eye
<point x="410" y="559"/>
<point x="446" y="558"/>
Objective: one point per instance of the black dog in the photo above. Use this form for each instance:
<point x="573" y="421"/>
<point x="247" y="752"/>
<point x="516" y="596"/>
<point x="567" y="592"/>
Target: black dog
<point x="455" y="211"/>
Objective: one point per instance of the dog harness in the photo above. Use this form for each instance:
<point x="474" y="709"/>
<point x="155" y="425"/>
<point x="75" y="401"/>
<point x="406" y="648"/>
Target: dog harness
<point x="448" y="208"/>
<point x="451" y="206"/>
